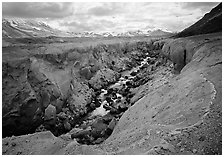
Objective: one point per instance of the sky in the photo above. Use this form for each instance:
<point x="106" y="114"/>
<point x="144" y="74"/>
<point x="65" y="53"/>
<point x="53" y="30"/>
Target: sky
<point x="110" y="16"/>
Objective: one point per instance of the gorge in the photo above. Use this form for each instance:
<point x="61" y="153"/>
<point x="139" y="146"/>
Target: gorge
<point x="114" y="96"/>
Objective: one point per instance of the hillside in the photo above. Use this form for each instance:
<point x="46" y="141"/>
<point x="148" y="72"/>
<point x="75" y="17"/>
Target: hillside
<point x="210" y="23"/>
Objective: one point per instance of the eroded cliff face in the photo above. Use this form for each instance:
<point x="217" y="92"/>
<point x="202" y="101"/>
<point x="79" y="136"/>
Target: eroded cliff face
<point x="171" y="114"/>
<point x="67" y="81"/>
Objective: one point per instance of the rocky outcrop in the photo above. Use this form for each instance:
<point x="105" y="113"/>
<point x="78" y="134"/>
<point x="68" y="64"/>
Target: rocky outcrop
<point x="180" y="51"/>
<point x="103" y="77"/>
<point x="20" y="102"/>
<point x="79" y="96"/>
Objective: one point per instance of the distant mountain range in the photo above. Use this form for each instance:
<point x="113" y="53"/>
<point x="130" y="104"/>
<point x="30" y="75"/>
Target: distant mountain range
<point x="210" y="23"/>
<point x="19" y="28"/>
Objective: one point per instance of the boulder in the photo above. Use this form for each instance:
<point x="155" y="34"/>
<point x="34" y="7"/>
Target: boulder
<point x="107" y="118"/>
<point x="112" y="124"/>
<point x="133" y="73"/>
<point x="45" y="98"/>
<point x="58" y="104"/>
<point x="99" y="140"/>
<point x="86" y="73"/>
<point x="67" y="125"/>
<point x="50" y="113"/>
<point x="123" y="106"/>
<point x="62" y="116"/>
<point x="98" y="127"/>
<point x="81" y="134"/>
<point x="80" y="95"/>
<point x="178" y="52"/>
<point x="103" y="77"/>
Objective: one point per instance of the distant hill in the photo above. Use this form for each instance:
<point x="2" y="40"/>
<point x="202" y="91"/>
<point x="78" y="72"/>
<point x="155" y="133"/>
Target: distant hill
<point x="210" y="23"/>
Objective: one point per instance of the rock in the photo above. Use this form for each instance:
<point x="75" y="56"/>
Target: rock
<point x="123" y="106"/>
<point x="50" y="113"/>
<point x="45" y="98"/>
<point x="67" y="126"/>
<point x="157" y="63"/>
<point x="119" y="115"/>
<point x="92" y="105"/>
<point x="129" y="83"/>
<point x="194" y="151"/>
<point x="86" y="73"/>
<point x="58" y="104"/>
<point x="178" y="52"/>
<point x="103" y="77"/>
<point x="41" y="128"/>
<point x="114" y="111"/>
<point x="133" y="73"/>
<point x="112" y="124"/>
<point x="97" y="103"/>
<point x="106" y="106"/>
<point x="107" y="118"/>
<point x="81" y="134"/>
<point x="79" y="98"/>
<point x="144" y="66"/>
<point x="62" y="116"/>
<point x="99" y="140"/>
<point x="99" y="125"/>
<point x="108" y="99"/>
<point x="75" y="130"/>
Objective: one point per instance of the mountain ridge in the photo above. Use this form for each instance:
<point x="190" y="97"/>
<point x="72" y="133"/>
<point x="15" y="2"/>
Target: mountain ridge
<point x="210" y="23"/>
<point x="18" y="28"/>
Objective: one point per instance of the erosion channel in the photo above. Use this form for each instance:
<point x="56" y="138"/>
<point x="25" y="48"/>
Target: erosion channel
<point x="82" y="92"/>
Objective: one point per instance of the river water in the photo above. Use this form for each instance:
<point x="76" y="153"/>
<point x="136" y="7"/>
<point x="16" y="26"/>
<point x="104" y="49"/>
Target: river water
<point x="121" y="83"/>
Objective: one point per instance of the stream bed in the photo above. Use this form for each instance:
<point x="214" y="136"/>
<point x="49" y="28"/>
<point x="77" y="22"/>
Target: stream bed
<point x="111" y="102"/>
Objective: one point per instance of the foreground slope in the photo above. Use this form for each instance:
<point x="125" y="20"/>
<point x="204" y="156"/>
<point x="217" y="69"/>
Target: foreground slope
<point x="178" y="115"/>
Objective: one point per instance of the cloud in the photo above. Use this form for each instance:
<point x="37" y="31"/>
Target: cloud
<point x="106" y="9"/>
<point x="98" y="25"/>
<point x="36" y="9"/>
<point x="204" y="6"/>
<point x="112" y="16"/>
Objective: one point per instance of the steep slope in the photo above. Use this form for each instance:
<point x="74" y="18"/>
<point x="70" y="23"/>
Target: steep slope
<point x="211" y="22"/>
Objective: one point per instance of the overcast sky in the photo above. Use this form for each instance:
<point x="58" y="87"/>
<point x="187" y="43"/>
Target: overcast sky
<point x="112" y="16"/>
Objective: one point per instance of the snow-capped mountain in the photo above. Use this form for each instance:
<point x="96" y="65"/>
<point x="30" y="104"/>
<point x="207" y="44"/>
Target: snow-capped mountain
<point x="157" y="32"/>
<point x="19" y="28"/>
